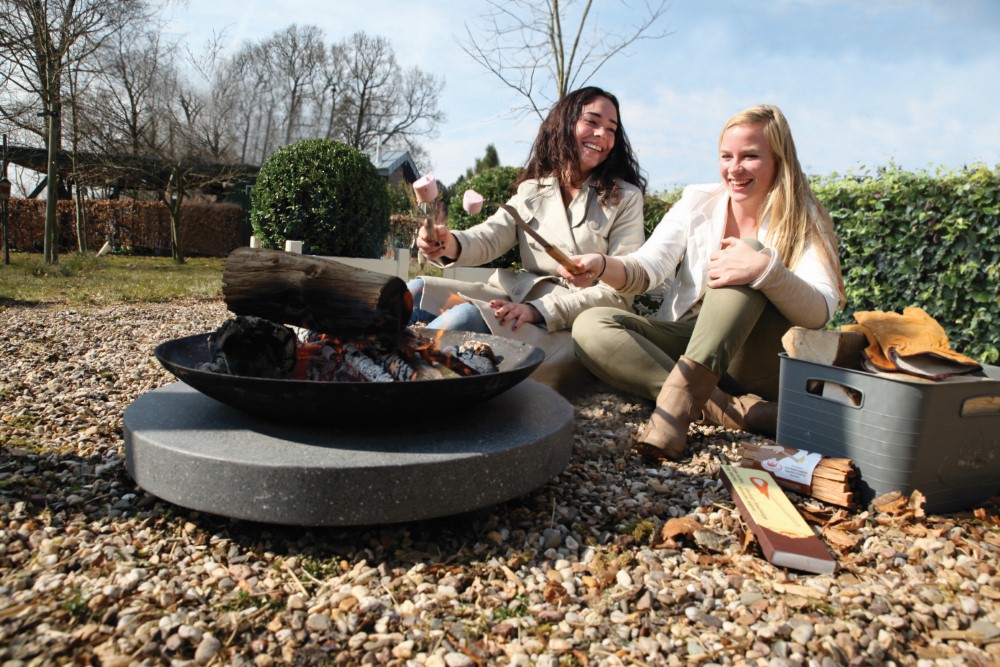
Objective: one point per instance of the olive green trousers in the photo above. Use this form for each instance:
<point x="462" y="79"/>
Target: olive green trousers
<point x="737" y="334"/>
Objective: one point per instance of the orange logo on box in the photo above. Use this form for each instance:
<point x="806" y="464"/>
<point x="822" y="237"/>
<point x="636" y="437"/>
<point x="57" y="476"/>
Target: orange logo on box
<point x="761" y="485"/>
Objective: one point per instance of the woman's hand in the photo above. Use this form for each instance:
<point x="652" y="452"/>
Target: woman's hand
<point x="440" y="248"/>
<point x="515" y="314"/>
<point x="589" y="265"/>
<point x="736" y="263"/>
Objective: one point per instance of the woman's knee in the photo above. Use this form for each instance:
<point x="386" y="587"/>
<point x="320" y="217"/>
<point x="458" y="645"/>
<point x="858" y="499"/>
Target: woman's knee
<point x="465" y="316"/>
<point x="593" y="321"/>
<point x="416" y="289"/>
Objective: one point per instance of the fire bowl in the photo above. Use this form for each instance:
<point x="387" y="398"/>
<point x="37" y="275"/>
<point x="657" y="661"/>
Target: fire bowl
<point x="312" y="401"/>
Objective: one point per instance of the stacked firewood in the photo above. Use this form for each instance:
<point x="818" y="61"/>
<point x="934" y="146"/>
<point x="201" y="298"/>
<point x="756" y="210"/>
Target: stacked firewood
<point x="832" y="478"/>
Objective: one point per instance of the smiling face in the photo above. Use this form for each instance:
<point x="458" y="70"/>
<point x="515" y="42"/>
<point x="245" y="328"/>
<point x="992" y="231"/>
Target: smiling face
<point x="746" y="164"/>
<point x="595" y="133"/>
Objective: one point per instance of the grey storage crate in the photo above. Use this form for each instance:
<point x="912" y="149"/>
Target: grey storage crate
<point x="941" y="438"/>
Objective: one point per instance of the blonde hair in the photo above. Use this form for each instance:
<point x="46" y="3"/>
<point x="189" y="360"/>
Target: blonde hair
<point x="796" y="216"/>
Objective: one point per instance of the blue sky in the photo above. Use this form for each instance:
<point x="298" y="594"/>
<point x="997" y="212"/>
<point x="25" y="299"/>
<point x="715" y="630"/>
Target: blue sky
<point x="862" y="82"/>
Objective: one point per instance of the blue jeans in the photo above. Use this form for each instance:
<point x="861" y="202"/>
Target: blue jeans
<point x="463" y="317"/>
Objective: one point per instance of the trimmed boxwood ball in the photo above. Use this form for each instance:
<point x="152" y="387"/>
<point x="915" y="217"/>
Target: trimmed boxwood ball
<point x="494" y="184"/>
<point x="324" y="193"/>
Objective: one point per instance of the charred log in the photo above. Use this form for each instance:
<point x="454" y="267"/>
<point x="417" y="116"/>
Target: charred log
<point x="253" y="347"/>
<point x="365" y="365"/>
<point x="315" y="293"/>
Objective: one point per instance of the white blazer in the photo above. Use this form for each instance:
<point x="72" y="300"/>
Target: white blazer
<point x="677" y="253"/>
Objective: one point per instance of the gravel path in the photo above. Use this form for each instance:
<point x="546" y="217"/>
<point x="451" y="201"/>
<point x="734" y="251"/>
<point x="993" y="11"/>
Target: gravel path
<point x="584" y="571"/>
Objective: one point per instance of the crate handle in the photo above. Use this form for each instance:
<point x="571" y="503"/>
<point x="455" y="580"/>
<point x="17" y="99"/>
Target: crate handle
<point x="979" y="406"/>
<point x="836" y="392"/>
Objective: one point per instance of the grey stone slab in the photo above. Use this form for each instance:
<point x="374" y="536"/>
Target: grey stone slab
<point x="189" y="449"/>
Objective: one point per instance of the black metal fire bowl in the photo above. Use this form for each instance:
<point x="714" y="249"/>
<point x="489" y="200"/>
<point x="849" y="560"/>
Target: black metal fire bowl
<point x="349" y="402"/>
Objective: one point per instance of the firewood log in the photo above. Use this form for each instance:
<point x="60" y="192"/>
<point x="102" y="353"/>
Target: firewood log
<point x="829" y="347"/>
<point x="315" y="293"/>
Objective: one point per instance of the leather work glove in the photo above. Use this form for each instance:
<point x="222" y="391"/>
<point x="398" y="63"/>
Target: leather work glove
<point x="913" y="343"/>
<point x="873" y="353"/>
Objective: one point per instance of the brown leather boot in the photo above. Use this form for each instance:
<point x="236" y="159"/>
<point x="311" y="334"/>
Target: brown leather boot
<point x="681" y="400"/>
<point x="742" y="413"/>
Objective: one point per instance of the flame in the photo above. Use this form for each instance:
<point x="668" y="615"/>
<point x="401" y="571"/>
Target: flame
<point x="303" y="353"/>
<point x="452" y="301"/>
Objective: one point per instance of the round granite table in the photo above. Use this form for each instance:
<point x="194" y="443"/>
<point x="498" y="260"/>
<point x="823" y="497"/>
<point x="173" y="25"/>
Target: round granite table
<point x="189" y="449"/>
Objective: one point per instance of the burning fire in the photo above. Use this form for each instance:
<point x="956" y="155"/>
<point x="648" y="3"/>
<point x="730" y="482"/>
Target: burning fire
<point x="239" y="345"/>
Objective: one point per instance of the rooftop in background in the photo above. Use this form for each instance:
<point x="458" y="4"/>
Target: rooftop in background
<point x="395" y="166"/>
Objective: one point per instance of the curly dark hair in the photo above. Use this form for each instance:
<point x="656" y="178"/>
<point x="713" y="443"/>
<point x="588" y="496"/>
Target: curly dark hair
<point x="554" y="152"/>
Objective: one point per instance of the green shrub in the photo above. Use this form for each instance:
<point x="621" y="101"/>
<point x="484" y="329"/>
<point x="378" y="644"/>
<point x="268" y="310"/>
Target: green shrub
<point x="920" y="239"/>
<point x="324" y="193"/>
<point x="401" y="199"/>
<point x="494" y="184"/>
<point x="656" y="205"/>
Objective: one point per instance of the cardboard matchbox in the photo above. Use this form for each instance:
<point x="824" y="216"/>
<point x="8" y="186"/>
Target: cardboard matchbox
<point x="784" y="536"/>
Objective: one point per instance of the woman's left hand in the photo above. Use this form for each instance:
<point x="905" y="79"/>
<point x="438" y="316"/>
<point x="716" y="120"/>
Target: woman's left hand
<point x="736" y="263"/>
<point x="515" y="314"/>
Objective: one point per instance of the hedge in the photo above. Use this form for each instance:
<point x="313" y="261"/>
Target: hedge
<point x="133" y="227"/>
<point x="324" y="193"/>
<point x="922" y="239"/>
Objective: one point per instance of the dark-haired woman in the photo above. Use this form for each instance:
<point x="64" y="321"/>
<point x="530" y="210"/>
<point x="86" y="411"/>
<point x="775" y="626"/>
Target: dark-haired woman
<point x="582" y="190"/>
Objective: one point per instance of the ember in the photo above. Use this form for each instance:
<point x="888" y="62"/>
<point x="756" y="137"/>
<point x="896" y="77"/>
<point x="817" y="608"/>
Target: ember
<point x="256" y="347"/>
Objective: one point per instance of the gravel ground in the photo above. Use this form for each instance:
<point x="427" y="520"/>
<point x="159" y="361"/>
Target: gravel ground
<point x="610" y="563"/>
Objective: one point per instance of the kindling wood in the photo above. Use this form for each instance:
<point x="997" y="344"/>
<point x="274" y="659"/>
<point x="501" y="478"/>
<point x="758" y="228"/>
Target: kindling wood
<point x="832" y="478"/>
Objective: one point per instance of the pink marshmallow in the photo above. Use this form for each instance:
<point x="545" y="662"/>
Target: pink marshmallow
<point x="472" y="202"/>
<point x="426" y="188"/>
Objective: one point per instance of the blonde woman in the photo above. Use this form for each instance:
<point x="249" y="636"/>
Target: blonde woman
<point x="741" y="261"/>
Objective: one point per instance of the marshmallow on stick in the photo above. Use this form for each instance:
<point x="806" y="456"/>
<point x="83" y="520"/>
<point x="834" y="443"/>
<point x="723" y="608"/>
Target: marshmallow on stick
<point x="473" y="203"/>
<point x="426" y="190"/>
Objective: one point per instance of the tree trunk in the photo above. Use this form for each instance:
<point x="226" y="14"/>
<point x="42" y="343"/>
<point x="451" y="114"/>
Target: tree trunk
<point x="50" y="243"/>
<point x="81" y="220"/>
<point x="315" y="293"/>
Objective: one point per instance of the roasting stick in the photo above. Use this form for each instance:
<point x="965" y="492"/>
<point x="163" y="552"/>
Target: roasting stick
<point x="473" y="202"/>
<point x="552" y="251"/>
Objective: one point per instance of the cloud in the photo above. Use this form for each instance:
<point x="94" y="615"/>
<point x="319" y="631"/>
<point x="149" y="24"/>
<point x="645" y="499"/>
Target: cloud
<point x="862" y="83"/>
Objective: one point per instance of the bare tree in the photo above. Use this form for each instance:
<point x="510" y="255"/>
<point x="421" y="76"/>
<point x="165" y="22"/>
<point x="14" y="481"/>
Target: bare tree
<point x="543" y="50"/>
<point x="380" y="102"/>
<point x="124" y="108"/>
<point x="253" y="99"/>
<point x="161" y="131"/>
<point x="331" y="80"/>
<point x="40" y="42"/>
<point x="296" y="56"/>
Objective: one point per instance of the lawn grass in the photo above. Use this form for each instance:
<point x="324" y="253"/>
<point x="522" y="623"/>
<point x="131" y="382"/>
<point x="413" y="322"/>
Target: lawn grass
<point x="88" y="279"/>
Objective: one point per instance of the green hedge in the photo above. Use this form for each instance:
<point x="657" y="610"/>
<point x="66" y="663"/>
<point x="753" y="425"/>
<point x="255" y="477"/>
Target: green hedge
<point x="922" y="239"/>
<point x="325" y="193"/>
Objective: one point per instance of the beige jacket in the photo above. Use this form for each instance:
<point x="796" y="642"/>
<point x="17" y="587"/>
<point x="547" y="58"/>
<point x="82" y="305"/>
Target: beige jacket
<point x="586" y="226"/>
